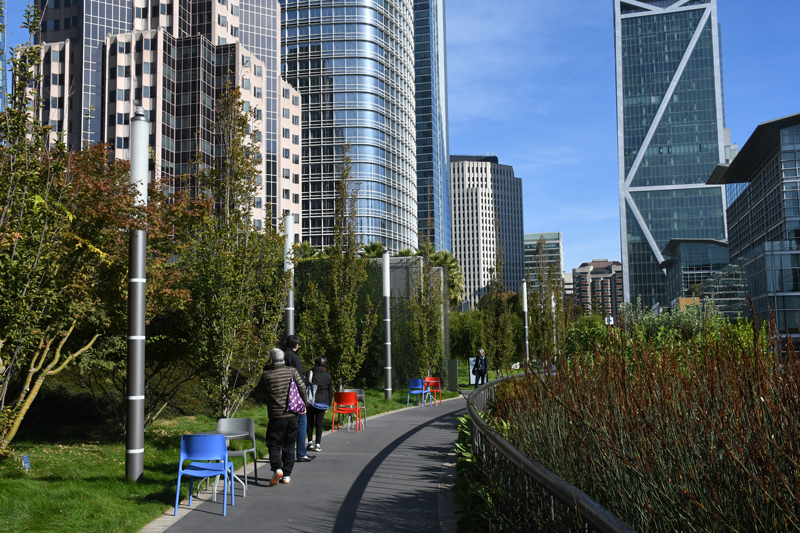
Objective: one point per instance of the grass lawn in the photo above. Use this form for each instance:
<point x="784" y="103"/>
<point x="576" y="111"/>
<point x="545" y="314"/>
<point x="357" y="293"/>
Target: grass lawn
<point x="77" y="480"/>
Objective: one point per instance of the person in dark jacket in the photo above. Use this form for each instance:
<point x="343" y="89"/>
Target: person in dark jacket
<point x="292" y="359"/>
<point x="320" y="377"/>
<point x="481" y="367"/>
<point x="282" y="426"/>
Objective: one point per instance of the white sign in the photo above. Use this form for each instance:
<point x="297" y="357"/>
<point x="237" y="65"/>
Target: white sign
<point x="609" y="321"/>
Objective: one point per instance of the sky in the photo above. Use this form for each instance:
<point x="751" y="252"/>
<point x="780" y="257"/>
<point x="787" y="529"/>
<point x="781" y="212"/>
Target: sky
<point x="532" y="81"/>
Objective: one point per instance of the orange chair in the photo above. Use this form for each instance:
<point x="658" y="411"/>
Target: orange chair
<point x="435" y="386"/>
<point x="345" y="403"/>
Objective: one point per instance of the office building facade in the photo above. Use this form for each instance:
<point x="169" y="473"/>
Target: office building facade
<point x="550" y="257"/>
<point x="671" y="134"/>
<point x="487" y="217"/>
<point x="430" y="65"/>
<point x="174" y="61"/>
<point x="597" y="287"/>
<point x="689" y="262"/>
<point x="763" y="193"/>
<point x="353" y="64"/>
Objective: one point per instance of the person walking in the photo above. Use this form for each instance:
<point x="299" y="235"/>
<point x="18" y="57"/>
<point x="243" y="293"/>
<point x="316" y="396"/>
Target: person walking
<point x="282" y="426"/>
<point x="480" y="368"/>
<point x="292" y="359"/>
<point x="320" y="377"/>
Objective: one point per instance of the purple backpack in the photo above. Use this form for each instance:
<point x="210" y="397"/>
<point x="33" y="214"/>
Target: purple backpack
<point x="295" y="403"/>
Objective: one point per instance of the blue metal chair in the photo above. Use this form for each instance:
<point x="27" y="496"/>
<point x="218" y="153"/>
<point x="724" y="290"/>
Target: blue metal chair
<point x="417" y="387"/>
<point x="204" y="448"/>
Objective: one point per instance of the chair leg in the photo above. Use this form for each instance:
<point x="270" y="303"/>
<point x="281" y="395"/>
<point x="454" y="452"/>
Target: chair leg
<point x="255" y="464"/>
<point x="191" y="484"/>
<point x="178" y="495"/>
<point x="224" y="495"/>
<point x="244" y="492"/>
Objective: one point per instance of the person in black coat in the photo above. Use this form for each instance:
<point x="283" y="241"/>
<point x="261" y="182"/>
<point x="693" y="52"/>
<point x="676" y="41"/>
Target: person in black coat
<point x="320" y="377"/>
<point x="481" y="368"/>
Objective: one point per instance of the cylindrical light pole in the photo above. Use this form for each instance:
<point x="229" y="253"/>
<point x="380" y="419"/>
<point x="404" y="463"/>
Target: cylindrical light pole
<point x="288" y="265"/>
<point x="387" y="327"/>
<point x="134" y="428"/>
<point x="524" y="291"/>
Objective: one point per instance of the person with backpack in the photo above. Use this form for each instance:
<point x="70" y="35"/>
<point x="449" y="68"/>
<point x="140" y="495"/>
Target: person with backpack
<point x="320" y="378"/>
<point x="286" y="392"/>
<point x="481" y="367"/>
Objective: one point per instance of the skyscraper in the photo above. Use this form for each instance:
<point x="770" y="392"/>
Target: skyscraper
<point x="670" y="122"/>
<point x="353" y="63"/>
<point x="487" y="217"/>
<point x="430" y="65"/>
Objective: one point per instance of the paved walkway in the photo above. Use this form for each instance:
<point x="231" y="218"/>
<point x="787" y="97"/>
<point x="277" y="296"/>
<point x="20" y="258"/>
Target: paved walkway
<point x="385" y="478"/>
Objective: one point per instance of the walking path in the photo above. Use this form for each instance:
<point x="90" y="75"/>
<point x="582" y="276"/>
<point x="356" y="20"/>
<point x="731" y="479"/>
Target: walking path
<point x="392" y="476"/>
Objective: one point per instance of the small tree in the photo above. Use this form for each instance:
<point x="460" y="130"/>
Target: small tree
<point x="498" y="327"/>
<point x="237" y="285"/>
<point x="425" y="308"/>
<point x="332" y="323"/>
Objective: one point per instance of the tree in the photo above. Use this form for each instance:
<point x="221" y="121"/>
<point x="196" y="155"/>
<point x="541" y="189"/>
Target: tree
<point x="304" y="250"/>
<point x="498" y="327"/>
<point x="425" y="308"/>
<point x="238" y="287"/>
<point x="52" y="250"/>
<point x="373" y="250"/>
<point x="455" y="278"/>
<point x="466" y="330"/>
<point x="332" y="323"/>
<point x="405" y="252"/>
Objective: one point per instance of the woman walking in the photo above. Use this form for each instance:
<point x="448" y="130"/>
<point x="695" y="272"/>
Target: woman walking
<point x="480" y="368"/>
<point x="320" y="377"/>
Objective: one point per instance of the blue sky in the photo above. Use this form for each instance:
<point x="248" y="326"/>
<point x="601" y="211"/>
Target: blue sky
<point x="532" y="81"/>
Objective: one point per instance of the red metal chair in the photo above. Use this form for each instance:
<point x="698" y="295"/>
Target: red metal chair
<point x="435" y="386"/>
<point x="345" y="403"/>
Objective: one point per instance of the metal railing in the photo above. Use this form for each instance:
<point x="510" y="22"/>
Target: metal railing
<point x="527" y="496"/>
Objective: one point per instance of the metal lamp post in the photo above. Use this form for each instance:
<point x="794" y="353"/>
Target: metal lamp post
<point x="524" y="290"/>
<point x="288" y="265"/>
<point x="387" y="326"/>
<point x="134" y="427"/>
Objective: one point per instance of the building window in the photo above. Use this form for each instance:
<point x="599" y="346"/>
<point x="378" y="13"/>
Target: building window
<point x="295" y="158"/>
<point x="286" y="173"/>
<point x="246" y="83"/>
<point x="257" y="92"/>
<point x="223" y="21"/>
<point x="286" y="194"/>
<point x="295" y="198"/>
<point x="235" y="10"/>
<point x="258" y="202"/>
<point x="295" y="178"/>
<point x="223" y="40"/>
<point x="258" y="224"/>
<point x="286" y="133"/>
<point x="286" y="153"/>
<point x="285" y="113"/>
<point x="296" y="120"/>
<point x="258" y="70"/>
<point x="295" y="139"/>
<point x="295" y="100"/>
<point x="286" y="93"/>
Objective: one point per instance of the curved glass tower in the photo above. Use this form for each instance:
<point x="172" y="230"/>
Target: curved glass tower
<point x="353" y="63"/>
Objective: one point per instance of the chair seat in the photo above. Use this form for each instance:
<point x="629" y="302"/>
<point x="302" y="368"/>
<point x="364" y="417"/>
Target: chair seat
<point x="205" y="469"/>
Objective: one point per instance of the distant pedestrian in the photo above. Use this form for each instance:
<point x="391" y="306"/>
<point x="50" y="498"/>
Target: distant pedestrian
<point x="320" y="377"/>
<point x="292" y="359"/>
<point x="282" y="426"/>
<point x="480" y="368"/>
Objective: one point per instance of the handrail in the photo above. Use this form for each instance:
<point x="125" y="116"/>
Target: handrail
<point x="572" y="498"/>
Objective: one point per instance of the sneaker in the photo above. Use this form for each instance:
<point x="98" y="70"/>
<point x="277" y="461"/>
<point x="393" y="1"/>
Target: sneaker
<point x="310" y="447"/>
<point x="276" y="477"/>
<point x="286" y="479"/>
<point x="305" y="459"/>
<point x="318" y="448"/>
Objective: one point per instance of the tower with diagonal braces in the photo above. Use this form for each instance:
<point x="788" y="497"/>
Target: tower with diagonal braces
<point x="670" y="133"/>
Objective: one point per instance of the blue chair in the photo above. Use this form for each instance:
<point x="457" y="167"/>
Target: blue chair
<point x="417" y="387"/>
<point x="204" y="448"/>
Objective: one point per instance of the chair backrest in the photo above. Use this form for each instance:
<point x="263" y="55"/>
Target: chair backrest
<point x="236" y="425"/>
<point x="415" y="384"/>
<point x="203" y="448"/>
<point x="432" y="383"/>
<point x="359" y="394"/>
<point x="345" y="398"/>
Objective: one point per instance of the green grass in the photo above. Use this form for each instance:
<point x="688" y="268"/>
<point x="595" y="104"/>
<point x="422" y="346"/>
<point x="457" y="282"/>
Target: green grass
<point x="77" y="480"/>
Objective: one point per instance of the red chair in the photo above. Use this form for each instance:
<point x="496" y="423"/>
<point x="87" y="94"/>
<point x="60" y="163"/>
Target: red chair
<point x="345" y="403"/>
<point x="435" y="386"/>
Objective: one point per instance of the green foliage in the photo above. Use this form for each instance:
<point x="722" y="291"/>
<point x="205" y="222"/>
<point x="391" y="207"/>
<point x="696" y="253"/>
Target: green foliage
<point x="497" y="328"/>
<point x="466" y="334"/>
<point x="455" y="278"/>
<point x="373" y="250"/>
<point x="425" y="308"/>
<point x="331" y="322"/>
<point x="238" y="286"/>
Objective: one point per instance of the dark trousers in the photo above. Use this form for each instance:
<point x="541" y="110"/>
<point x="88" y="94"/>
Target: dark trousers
<point x="281" y="441"/>
<point x="480" y="378"/>
<point x="315" y="419"/>
<point x="301" y="435"/>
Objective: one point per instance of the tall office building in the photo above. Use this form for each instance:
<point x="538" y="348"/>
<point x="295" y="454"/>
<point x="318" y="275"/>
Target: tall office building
<point x="598" y="283"/>
<point x="430" y="65"/>
<point x="552" y="254"/>
<point x="353" y="63"/>
<point x="487" y="217"/>
<point x="671" y="133"/>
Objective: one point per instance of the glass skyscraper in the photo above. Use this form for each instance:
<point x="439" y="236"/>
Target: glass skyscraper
<point x="670" y="120"/>
<point x="353" y="63"/>
<point x="430" y="62"/>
